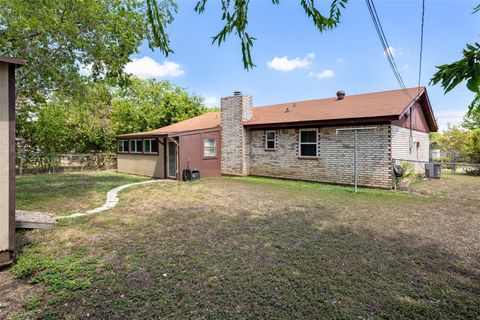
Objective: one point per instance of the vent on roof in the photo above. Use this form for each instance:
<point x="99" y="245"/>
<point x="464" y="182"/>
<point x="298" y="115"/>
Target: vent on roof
<point x="340" y="94"/>
<point x="237" y="93"/>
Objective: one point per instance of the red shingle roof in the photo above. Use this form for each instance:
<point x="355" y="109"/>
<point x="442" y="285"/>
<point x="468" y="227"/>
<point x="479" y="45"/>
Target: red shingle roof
<point x="368" y="105"/>
<point x="204" y="121"/>
<point x="374" y="106"/>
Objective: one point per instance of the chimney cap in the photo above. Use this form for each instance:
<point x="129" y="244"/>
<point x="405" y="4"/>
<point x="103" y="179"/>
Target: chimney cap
<point x="340" y="94"/>
<point x="237" y="93"/>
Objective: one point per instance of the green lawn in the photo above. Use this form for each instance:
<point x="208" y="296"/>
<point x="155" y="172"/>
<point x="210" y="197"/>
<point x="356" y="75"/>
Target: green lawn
<point x="238" y="248"/>
<point x="63" y="193"/>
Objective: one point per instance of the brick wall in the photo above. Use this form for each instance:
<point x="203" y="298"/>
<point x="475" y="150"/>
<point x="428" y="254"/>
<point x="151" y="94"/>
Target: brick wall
<point x="334" y="163"/>
<point x="235" y="138"/>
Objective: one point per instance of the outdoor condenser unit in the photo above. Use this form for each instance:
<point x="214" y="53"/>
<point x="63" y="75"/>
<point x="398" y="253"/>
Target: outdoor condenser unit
<point x="433" y="170"/>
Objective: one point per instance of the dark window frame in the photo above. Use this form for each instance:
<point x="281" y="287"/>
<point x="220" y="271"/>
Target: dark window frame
<point x="122" y="141"/>
<point x="136" y="149"/>
<point x="152" y="142"/>
<point x="300" y="143"/>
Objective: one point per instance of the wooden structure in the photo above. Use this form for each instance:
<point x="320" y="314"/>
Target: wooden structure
<point x="33" y="220"/>
<point x="167" y="152"/>
<point x="7" y="157"/>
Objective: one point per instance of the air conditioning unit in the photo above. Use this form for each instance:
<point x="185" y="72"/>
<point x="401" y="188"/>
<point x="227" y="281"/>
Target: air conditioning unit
<point x="433" y="170"/>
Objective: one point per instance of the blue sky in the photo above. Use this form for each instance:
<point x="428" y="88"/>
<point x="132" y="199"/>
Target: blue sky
<point x="296" y="62"/>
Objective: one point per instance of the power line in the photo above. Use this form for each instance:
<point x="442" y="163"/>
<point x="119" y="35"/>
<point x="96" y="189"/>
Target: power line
<point x="421" y="46"/>
<point x="383" y="40"/>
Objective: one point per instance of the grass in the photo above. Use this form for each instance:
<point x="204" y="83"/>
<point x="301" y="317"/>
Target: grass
<point x="240" y="248"/>
<point x="65" y="193"/>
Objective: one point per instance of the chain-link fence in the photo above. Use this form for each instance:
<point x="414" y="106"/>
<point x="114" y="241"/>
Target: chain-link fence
<point x="39" y="162"/>
<point x="406" y="171"/>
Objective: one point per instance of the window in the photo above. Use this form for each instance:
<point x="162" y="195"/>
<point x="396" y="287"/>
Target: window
<point x="150" y="146"/>
<point x="308" y="142"/>
<point x="135" y="146"/>
<point x="270" y="136"/>
<point x="209" y="147"/>
<point x="122" y="146"/>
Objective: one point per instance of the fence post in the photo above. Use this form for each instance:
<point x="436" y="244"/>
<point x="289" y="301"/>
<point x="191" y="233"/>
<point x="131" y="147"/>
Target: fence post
<point x="394" y="177"/>
<point x="22" y="156"/>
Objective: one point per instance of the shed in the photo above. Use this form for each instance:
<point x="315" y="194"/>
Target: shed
<point x="7" y="157"/>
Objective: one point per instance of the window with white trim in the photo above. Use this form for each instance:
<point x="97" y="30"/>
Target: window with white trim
<point x="150" y="146"/>
<point x="209" y="147"/>
<point x="270" y="139"/>
<point x="308" y="142"/>
<point x="122" y="146"/>
<point x="136" y="146"/>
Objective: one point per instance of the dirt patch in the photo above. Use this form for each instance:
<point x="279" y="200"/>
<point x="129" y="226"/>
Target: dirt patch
<point x="14" y="294"/>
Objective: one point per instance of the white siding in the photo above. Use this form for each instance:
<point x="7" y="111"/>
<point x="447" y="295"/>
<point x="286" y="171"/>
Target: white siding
<point x="401" y="147"/>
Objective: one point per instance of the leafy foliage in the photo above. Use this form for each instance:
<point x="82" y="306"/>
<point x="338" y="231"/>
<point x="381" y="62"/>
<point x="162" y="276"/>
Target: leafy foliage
<point x="465" y="69"/>
<point x="235" y="16"/>
<point x="58" y="37"/>
<point x="159" y="15"/>
<point x="472" y="120"/>
<point x="459" y="144"/>
<point x="148" y="104"/>
<point x="89" y="122"/>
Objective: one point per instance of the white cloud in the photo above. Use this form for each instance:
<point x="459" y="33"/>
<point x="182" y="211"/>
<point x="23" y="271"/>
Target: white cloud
<point x="212" y="101"/>
<point x="284" y="64"/>
<point x="146" y="68"/>
<point x="322" y="75"/>
<point x="395" y="51"/>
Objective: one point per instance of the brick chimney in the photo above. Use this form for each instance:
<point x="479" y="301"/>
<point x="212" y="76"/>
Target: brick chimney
<point x="235" y="146"/>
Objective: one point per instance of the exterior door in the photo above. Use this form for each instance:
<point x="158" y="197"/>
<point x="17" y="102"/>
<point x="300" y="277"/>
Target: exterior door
<point x="171" y="159"/>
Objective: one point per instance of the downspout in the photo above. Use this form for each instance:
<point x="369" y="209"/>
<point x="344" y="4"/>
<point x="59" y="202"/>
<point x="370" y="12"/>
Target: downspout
<point x="411" y="132"/>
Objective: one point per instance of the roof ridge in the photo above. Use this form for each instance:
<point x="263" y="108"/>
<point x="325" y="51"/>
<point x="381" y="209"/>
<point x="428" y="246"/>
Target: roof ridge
<point x="326" y="98"/>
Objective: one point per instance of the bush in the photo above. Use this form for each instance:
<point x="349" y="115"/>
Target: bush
<point x="408" y="171"/>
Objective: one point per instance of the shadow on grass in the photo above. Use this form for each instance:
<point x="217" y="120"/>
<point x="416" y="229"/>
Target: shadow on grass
<point x="191" y="263"/>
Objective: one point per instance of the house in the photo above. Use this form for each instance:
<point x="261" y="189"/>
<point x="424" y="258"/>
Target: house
<point x="7" y="157"/>
<point x="310" y="140"/>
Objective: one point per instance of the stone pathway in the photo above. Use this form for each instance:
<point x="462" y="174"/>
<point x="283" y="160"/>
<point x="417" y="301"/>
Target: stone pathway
<point x="33" y="219"/>
<point x="112" y="201"/>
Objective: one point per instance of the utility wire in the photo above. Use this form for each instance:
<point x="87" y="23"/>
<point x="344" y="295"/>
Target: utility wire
<point x="383" y="40"/>
<point x="421" y="46"/>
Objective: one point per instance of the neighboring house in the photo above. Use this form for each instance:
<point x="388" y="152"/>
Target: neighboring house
<point x="437" y="154"/>
<point x="304" y="140"/>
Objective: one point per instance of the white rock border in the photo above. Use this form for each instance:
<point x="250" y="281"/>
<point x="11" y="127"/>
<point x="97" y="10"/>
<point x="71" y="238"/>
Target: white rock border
<point x="111" y="202"/>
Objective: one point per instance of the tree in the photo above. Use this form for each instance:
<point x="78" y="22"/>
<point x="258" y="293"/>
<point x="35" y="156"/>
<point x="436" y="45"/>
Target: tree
<point x="148" y="104"/>
<point x="465" y="69"/>
<point x="46" y="128"/>
<point x="474" y="146"/>
<point x="472" y="120"/>
<point x="89" y="122"/>
<point x="58" y="37"/>
<point x="455" y="142"/>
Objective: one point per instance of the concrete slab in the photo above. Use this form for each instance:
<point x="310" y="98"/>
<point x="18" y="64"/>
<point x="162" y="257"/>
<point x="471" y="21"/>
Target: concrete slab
<point x="33" y="220"/>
